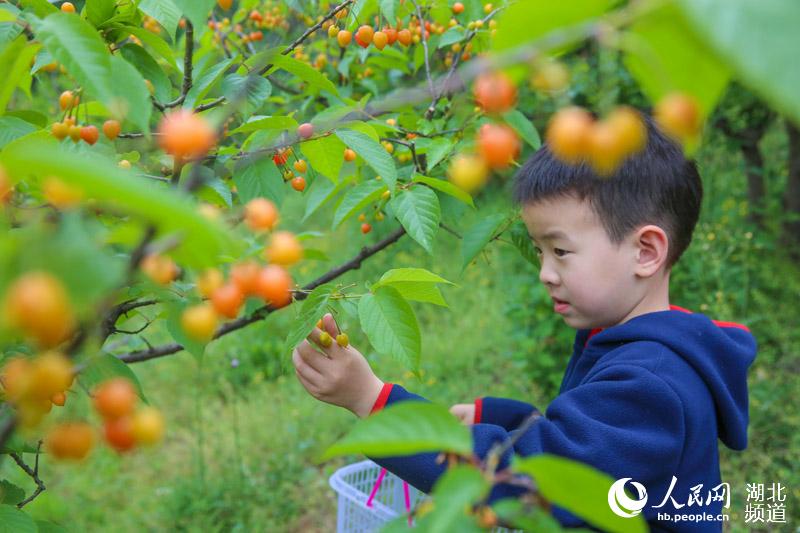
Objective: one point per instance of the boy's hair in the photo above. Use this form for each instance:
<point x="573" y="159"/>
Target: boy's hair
<point x="656" y="186"/>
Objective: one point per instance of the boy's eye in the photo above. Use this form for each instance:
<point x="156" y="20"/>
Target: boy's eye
<point x="559" y="252"/>
<point x="538" y="250"/>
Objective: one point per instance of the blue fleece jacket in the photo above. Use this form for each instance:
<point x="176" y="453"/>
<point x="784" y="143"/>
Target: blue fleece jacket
<point x="644" y="400"/>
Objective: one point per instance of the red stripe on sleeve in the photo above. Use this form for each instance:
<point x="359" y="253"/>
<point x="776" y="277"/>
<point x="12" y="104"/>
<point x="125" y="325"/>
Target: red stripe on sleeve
<point x="478" y="410"/>
<point x="382" y="397"/>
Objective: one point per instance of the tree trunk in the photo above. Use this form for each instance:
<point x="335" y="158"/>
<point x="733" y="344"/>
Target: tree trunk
<point x="791" y="195"/>
<point x="756" y="189"/>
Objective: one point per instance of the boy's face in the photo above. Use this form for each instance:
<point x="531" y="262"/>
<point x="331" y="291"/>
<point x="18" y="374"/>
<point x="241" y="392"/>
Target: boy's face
<point x="592" y="281"/>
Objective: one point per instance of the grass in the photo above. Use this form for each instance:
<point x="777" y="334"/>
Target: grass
<point x="242" y="444"/>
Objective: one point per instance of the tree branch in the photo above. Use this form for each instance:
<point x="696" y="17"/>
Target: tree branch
<point x="259" y="314"/>
<point x="187" y="67"/>
<point x="33" y="473"/>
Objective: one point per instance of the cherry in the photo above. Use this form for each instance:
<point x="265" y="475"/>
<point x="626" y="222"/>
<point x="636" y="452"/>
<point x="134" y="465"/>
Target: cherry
<point x="199" y="322"/>
<point x="159" y="268"/>
<point x="227" y="300"/>
<point x="349" y="155"/>
<point x="273" y="285"/>
<point x="379" y="39"/>
<point x="468" y="172"/>
<point x="114" y="398"/>
<point x="678" y="115"/>
<point x="568" y="133"/>
<point x="245" y="276"/>
<point x="366" y="228"/>
<point x="185" y="134"/>
<point x="300" y="165"/>
<point x="68" y="7"/>
<point x="59" y="398"/>
<point x="404" y="36"/>
<point x="37" y="304"/>
<point x="305" y="130"/>
<point x="364" y="35"/>
<point x="67" y="100"/>
<point x="148" y="426"/>
<point x="458" y="8"/>
<point x="284" y="249"/>
<point x="498" y="144"/>
<point x="495" y="92"/>
<point x="344" y="37"/>
<point x="90" y="134"/>
<point x="342" y="340"/>
<point x="325" y="339"/>
<point x="299" y="183"/>
<point x="59" y="130"/>
<point x="119" y="433"/>
<point x="260" y="214"/>
<point x="111" y="129"/>
<point x="70" y="440"/>
<point x="210" y="280"/>
<point x="391" y="35"/>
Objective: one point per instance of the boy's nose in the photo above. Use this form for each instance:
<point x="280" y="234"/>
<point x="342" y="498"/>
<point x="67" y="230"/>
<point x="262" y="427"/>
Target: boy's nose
<point x="548" y="275"/>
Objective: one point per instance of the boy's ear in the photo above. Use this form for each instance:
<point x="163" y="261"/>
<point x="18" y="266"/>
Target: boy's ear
<point x="652" y="246"/>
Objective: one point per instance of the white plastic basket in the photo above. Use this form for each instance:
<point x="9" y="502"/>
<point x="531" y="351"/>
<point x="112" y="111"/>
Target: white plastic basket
<point x="354" y="483"/>
<point x="364" y="507"/>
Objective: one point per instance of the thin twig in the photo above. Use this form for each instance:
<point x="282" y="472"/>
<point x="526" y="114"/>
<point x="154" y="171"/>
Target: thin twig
<point x="187" y="67"/>
<point x="33" y="473"/>
<point x="424" y="40"/>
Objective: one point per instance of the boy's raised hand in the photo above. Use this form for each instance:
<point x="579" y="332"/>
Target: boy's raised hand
<point x="339" y="375"/>
<point x="464" y="412"/>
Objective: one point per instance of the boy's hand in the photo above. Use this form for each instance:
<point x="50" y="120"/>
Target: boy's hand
<point x="339" y="376"/>
<point x="464" y="412"/>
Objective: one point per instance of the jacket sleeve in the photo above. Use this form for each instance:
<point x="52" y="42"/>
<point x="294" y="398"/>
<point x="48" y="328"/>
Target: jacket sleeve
<point x="622" y="419"/>
<point x="503" y="412"/>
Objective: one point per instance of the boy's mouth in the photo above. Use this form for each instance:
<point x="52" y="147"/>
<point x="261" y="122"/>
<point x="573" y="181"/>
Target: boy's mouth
<point x="559" y="306"/>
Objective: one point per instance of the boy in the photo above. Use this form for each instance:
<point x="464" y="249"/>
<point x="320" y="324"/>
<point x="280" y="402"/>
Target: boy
<point x="649" y="387"/>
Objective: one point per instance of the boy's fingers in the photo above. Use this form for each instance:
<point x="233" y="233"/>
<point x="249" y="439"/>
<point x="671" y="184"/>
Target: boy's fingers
<point x="311" y="357"/>
<point x="330" y="325"/>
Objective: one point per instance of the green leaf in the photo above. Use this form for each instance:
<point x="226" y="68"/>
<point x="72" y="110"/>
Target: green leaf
<point x="159" y="45"/>
<point x="202" y="242"/>
<point x="10" y="494"/>
<point x="260" y="122"/>
<point x="578" y="488"/>
<point x="131" y="98"/>
<point x="164" y="11"/>
<point x="521" y="239"/>
<point x="418" y="211"/>
<point x="391" y="327"/>
<point x="197" y="11"/>
<point x="523" y="127"/>
<point x="206" y="81"/>
<point x="321" y="191"/>
<point x="174" y="310"/>
<point x="415" y="284"/>
<point x="305" y="72"/>
<point x="310" y="312"/>
<point x="13" y="128"/>
<point x="41" y="8"/>
<point x="50" y="527"/>
<point x="12" y="520"/>
<point x="256" y="89"/>
<point x="325" y="155"/>
<point x="258" y="177"/>
<point x="76" y="45"/>
<point x="664" y="55"/>
<point x="446" y="187"/>
<point x="372" y="152"/>
<point x="99" y="11"/>
<point x="15" y="62"/>
<point x="457" y="489"/>
<point x="758" y="40"/>
<point x="526" y="22"/>
<point x="388" y="11"/>
<point x="149" y="69"/>
<point x="452" y="36"/>
<point x="104" y="367"/>
<point x="357" y="199"/>
<point x="437" y="150"/>
<point x="405" y="428"/>
<point x="478" y="236"/>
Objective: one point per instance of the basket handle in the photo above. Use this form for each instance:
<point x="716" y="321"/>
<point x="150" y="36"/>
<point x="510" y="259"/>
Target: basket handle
<point x="377" y="485"/>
